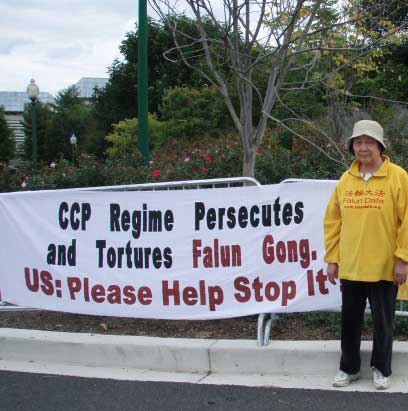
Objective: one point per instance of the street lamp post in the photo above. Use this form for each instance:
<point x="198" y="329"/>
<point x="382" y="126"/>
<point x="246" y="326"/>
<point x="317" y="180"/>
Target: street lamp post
<point x="33" y="92"/>
<point x="73" y="140"/>
<point x="142" y="82"/>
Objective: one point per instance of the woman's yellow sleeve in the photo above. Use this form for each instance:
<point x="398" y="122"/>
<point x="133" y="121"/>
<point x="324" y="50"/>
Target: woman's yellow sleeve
<point x="402" y="210"/>
<point x="402" y="236"/>
<point x="403" y="292"/>
<point x="332" y="228"/>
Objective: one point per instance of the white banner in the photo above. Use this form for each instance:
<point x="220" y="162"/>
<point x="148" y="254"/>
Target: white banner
<point x="181" y="254"/>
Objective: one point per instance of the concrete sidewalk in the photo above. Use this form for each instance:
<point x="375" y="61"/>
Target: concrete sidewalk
<point x="294" y="364"/>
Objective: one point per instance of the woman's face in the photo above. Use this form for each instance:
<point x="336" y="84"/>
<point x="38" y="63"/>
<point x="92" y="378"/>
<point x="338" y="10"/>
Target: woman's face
<point x="366" y="150"/>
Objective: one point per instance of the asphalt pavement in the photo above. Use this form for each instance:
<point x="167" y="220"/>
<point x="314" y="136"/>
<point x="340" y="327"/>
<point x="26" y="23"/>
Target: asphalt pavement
<point x="33" y="392"/>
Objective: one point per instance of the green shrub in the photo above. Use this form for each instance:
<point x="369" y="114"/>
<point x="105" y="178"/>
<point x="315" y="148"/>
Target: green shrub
<point x="277" y="162"/>
<point x="181" y="161"/>
<point x="191" y="112"/>
<point x="124" y="137"/>
<point x="330" y="321"/>
<point x="401" y="326"/>
<point x="10" y="179"/>
<point x="176" y="162"/>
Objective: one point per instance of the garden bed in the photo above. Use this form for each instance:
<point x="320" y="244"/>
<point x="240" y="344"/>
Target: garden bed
<point x="305" y="326"/>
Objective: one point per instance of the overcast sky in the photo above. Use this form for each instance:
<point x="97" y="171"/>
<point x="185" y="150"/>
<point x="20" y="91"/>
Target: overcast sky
<point x="57" y="42"/>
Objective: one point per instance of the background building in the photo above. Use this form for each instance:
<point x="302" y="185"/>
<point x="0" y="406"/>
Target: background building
<point x="86" y="86"/>
<point x="13" y="104"/>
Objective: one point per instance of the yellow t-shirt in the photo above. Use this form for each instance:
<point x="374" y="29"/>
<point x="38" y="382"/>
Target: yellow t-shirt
<point x="366" y="223"/>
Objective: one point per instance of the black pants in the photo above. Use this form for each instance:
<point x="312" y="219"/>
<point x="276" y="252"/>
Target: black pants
<point x="382" y="297"/>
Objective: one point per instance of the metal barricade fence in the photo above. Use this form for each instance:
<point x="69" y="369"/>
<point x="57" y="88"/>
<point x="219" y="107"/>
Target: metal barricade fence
<point x="265" y="320"/>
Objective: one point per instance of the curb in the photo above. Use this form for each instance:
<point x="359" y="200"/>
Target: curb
<point x="279" y="360"/>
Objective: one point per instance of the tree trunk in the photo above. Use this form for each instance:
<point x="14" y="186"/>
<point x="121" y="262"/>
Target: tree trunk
<point x="248" y="161"/>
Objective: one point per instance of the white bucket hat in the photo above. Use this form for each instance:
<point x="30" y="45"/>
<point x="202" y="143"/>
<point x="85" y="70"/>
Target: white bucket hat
<point x="368" y="128"/>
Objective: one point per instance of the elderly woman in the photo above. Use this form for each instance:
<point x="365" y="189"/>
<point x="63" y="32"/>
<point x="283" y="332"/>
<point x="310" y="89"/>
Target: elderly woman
<point x="366" y="238"/>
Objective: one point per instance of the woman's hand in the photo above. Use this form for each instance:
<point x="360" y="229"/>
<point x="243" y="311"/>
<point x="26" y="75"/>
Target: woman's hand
<point x="400" y="272"/>
<point x="332" y="272"/>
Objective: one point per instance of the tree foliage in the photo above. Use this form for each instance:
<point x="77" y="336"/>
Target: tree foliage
<point x="191" y="112"/>
<point x="56" y="123"/>
<point x="44" y="137"/>
<point x="384" y="11"/>
<point x="279" y="37"/>
<point x="7" y="143"/>
<point x="186" y="113"/>
<point x="69" y="116"/>
<point x="119" y="98"/>
<point x="300" y="70"/>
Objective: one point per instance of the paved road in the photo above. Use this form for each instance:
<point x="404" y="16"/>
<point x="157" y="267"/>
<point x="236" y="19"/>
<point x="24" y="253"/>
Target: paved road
<point x="24" y="391"/>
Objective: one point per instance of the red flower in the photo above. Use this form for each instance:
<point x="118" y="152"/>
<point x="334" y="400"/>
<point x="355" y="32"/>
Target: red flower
<point x="205" y="170"/>
<point x="230" y="175"/>
<point x="156" y="173"/>
<point x="302" y="152"/>
<point x="208" y="159"/>
<point x="344" y="145"/>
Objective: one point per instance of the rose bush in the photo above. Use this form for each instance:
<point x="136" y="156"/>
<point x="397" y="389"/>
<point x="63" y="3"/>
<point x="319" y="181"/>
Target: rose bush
<point x="178" y="160"/>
